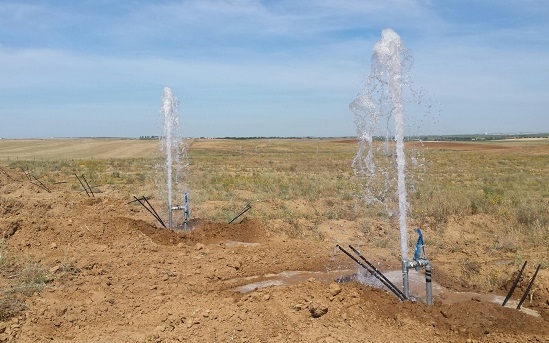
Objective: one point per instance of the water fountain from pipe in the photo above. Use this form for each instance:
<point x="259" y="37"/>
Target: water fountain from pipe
<point x="383" y="100"/>
<point x="176" y="165"/>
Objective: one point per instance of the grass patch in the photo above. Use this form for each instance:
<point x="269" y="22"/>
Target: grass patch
<point x="21" y="278"/>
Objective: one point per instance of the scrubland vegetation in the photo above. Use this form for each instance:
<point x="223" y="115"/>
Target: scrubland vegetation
<point x="303" y="182"/>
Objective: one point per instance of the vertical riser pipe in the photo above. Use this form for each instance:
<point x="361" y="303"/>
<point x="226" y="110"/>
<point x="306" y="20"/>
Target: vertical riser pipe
<point x="405" y="279"/>
<point x="170" y="217"/>
<point x="428" y="285"/>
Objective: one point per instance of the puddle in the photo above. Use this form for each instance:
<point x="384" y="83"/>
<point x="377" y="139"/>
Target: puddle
<point x="416" y="285"/>
<point x="240" y="244"/>
<point x="288" y="278"/>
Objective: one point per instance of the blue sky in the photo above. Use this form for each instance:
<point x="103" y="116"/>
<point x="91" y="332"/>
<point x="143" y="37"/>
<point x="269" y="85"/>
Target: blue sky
<point x="264" y="68"/>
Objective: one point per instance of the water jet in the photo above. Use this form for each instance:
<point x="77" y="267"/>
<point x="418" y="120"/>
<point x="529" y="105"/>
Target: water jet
<point x="383" y="101"/>
<point x="174" y="190"/>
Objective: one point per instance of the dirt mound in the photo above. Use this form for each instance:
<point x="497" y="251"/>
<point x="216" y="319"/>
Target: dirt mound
<point x="204" y="231"/>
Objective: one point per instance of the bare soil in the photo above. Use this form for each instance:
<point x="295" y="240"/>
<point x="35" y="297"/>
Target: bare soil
<point x="117" y="276"/>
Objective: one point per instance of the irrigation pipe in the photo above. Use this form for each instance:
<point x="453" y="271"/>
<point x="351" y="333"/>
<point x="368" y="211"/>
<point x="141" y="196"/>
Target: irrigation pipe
<point x="86" y="181"/>
<point x="398" y="294"/>
<point x="151" y="212"/>
<point x="152" y="208"/>
<point x="143" y="198"/>
<point x="528" y="288"/>
<point x="82" y="185"/>
<point x="26" y="172"/>
<point x="41" y="184"/>
<point x="394" y="288"/>
<point x="514" y="284"/>
<point x="248" y="206"/>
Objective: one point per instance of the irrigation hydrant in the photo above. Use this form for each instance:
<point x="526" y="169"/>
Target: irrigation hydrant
<point x="417" y="263"/>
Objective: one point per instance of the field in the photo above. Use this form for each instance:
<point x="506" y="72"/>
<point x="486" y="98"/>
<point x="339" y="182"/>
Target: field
<point x="92" y="268"/>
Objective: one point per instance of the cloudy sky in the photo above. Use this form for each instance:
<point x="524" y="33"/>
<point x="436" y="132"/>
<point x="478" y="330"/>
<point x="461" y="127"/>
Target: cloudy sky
<point x="264" y="68"/>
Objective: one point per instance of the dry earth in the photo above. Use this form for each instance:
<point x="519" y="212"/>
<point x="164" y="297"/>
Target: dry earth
<point x="117" y="277"/>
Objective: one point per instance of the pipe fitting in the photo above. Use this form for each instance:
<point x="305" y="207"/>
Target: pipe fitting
<point x="417" y="263"/>
<point x="420" y="262"/>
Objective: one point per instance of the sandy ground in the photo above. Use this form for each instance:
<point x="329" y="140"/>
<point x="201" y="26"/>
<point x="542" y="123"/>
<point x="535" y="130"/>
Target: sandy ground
<point x="118" y="277"/>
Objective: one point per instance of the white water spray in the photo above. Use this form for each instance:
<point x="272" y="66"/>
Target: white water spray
<point x="381" y="101"/>
<point x="174" y="148"/>
<point x="389" y="51"/>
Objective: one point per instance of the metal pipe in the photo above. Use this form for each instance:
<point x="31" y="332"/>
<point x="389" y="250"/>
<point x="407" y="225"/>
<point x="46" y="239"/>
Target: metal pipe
<point x="514" y="284"/>
<point x="405" y="290"/>
<point x="176" y="208"/>
<point x="428" y="284"/>
<point x="421" y="262"/>
<point x="187" y="212"/>
<point x="169" y="217"/>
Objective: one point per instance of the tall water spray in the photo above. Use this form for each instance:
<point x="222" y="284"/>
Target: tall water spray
<point x="175" y="151"/>
<point x="380" y="103"/>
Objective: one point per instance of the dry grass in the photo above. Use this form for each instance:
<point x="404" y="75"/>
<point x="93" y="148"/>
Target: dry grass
<point x="509" y="184"/>
<point x="21" y="278"/>
<point x="505" y="179"/>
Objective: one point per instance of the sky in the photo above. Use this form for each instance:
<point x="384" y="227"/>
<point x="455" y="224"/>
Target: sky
<point x="264" y="68"/>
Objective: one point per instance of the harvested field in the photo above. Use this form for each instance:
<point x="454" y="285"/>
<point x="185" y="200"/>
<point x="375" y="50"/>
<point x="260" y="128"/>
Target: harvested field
<point x="50" y="149"/>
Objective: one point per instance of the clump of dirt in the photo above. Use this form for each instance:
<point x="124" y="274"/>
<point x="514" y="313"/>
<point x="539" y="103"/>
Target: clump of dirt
<point x="119" y="277"/>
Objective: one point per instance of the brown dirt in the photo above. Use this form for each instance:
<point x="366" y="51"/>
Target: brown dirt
<point x="118" y="277"/>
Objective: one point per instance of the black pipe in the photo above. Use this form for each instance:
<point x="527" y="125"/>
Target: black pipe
<point x="528" y="288"/>
<point x="42" y="184"/>
<point x="248" y="206"/>
<point x="152" y="208"/>
<point x="154" y="214"/>
<point x="151" y="212"/>
<point x="26" y="172"/>
<point x="398" y="294"/>
<point x="395" y="289"/>
<point x="85" y="190"/>
<point x="86" y="181"/>
<point x="514" y="284"/>
<point x="143" y="197"/>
